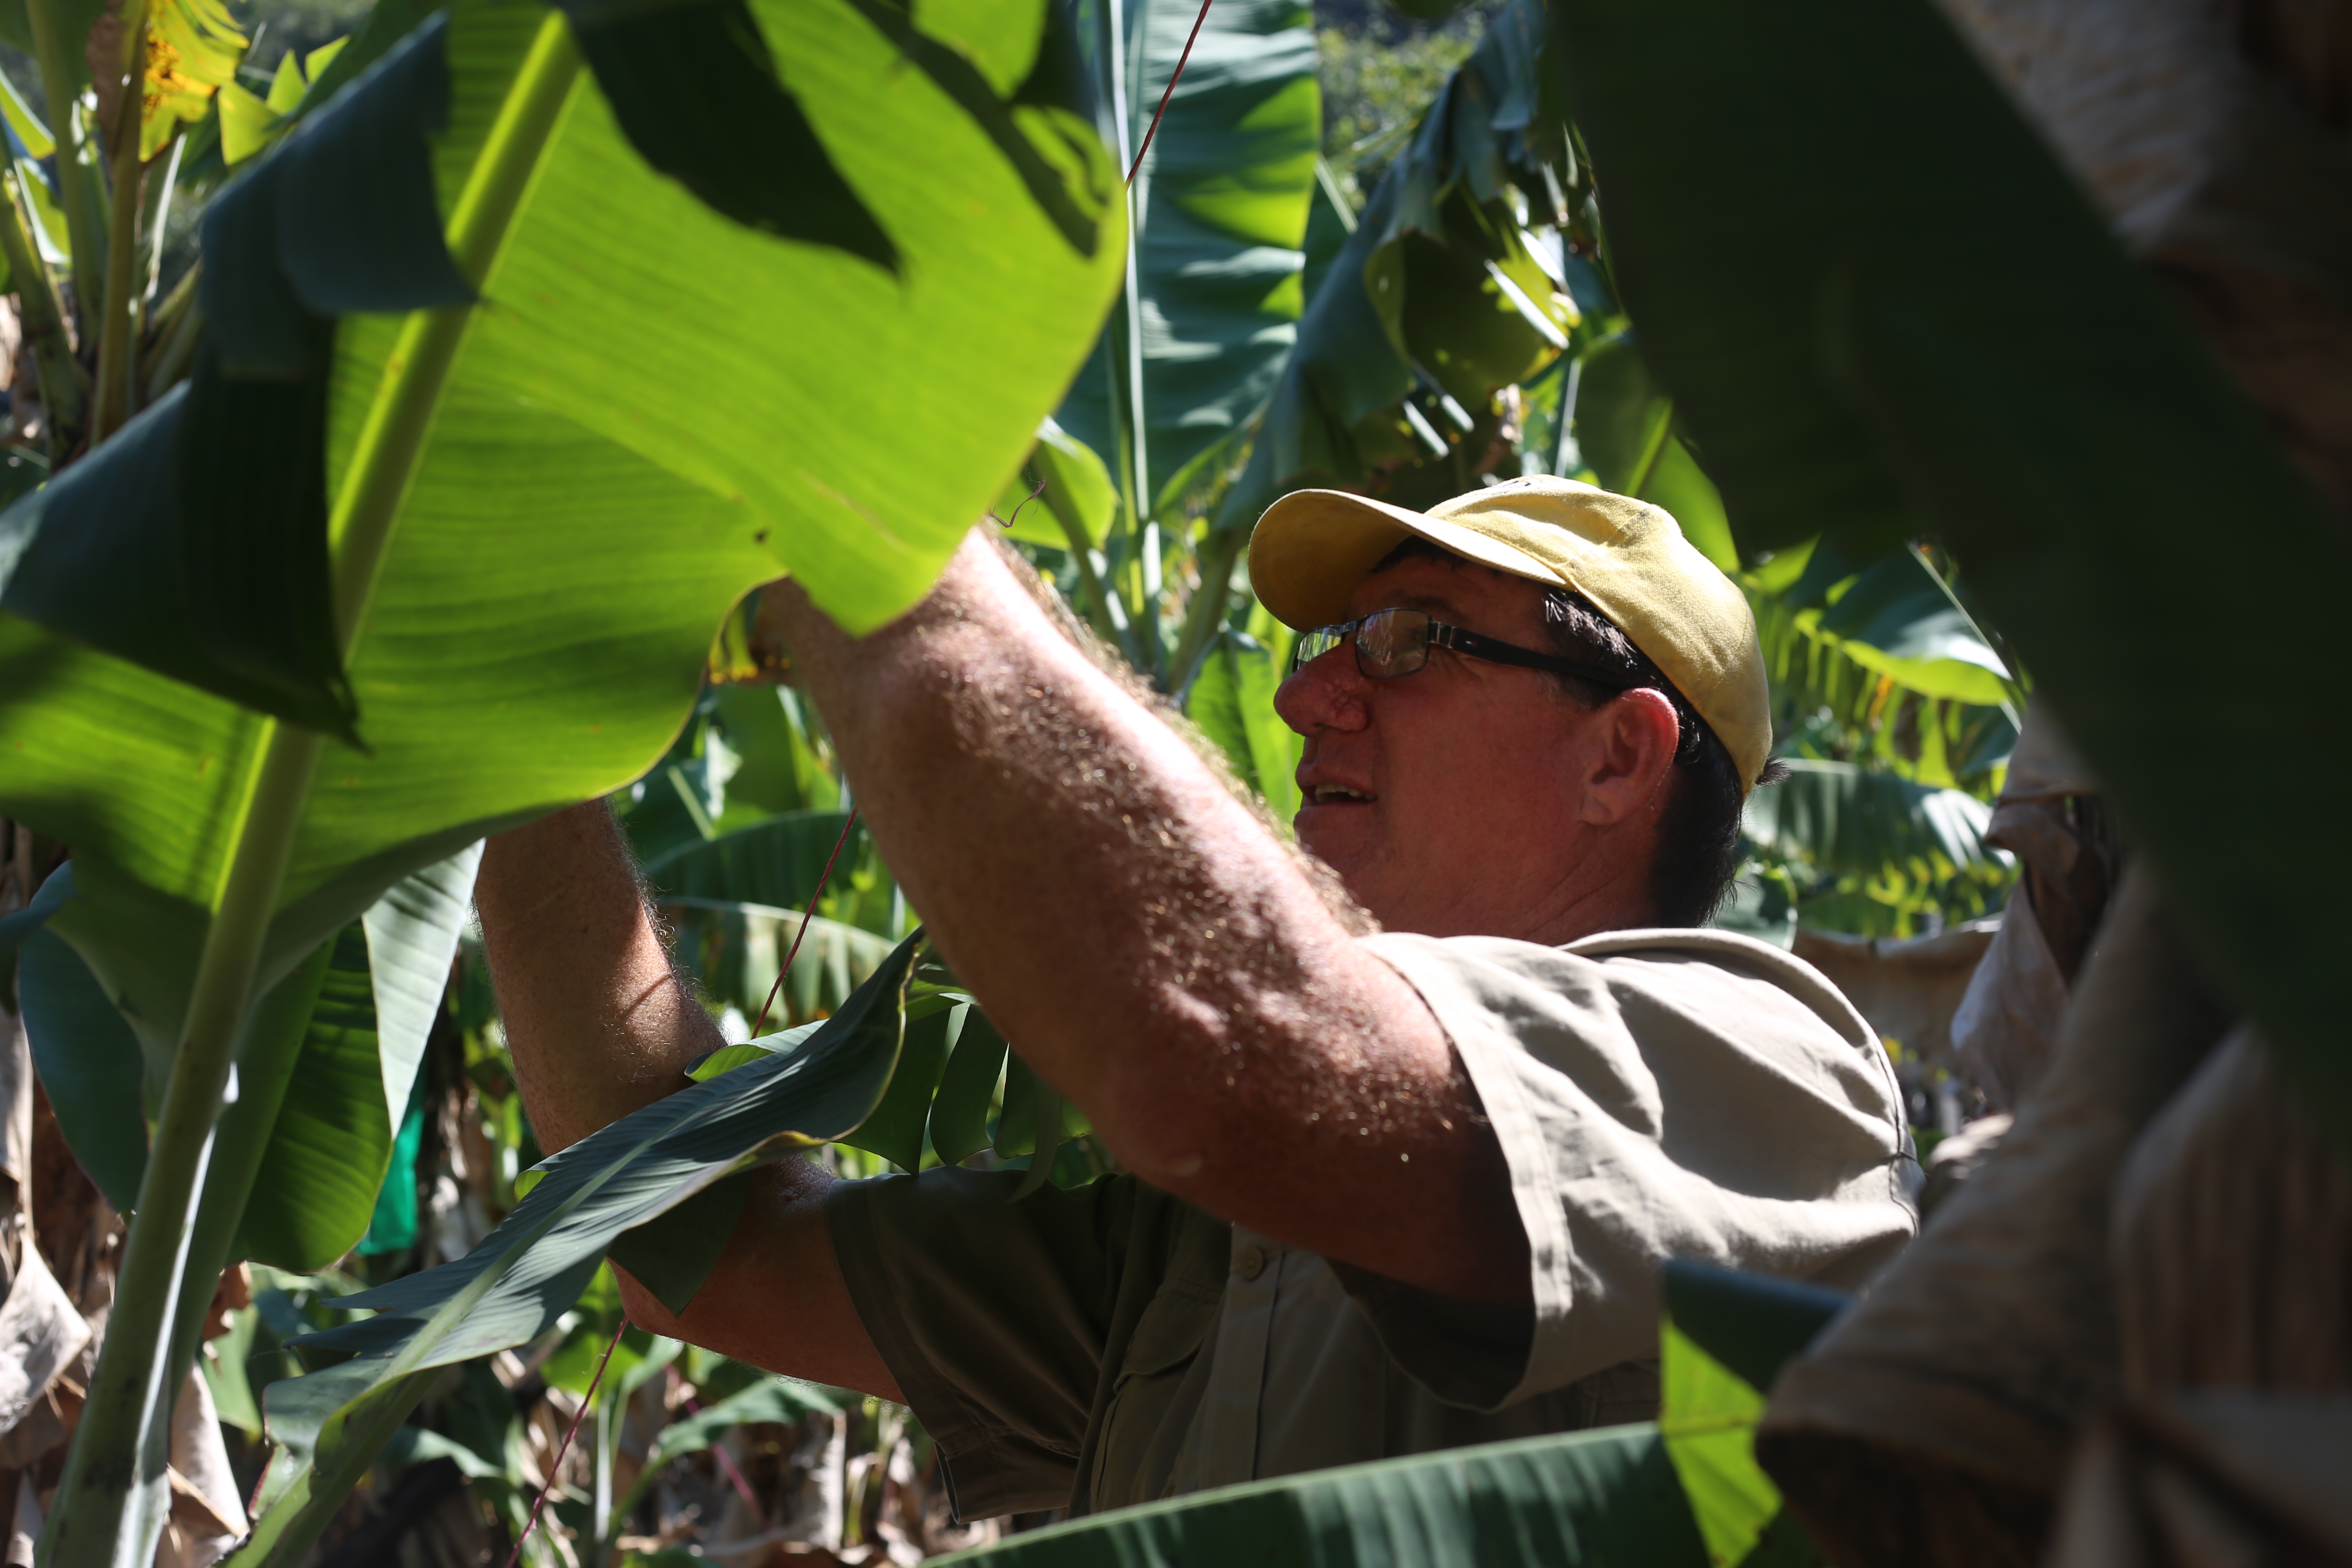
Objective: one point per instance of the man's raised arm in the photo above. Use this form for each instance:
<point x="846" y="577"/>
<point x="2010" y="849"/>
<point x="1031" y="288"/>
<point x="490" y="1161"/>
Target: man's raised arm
<point x="1155" y="954"/>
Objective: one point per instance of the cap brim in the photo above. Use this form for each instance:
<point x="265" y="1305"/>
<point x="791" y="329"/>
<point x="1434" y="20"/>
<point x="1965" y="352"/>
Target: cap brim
<point x="1312" y="549"/>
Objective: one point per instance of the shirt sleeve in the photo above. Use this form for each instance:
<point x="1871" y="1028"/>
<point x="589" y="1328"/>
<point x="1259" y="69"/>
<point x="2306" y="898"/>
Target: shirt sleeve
<point x="991" y="1315"/>
<point x="1657" y="1095"/>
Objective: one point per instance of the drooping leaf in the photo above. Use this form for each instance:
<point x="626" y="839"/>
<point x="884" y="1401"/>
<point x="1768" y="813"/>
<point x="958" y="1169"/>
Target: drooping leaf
<point x="412" y="939"/>
<point x="88" y="1062"/>
<point x="780" y="1400"/>
<point x="312" y="1116"/>
<point x="19" y="924"/>
<point x="673" y="1256"/>
<point x="1844" y="378"/>
<point x="1585" y="1499"/>
<point x="330" y="1142"/>
<point x="895" y="1130"/>
<point x="416" y="1446"/>
<point x="772" y="1399"/>
<point x="520" y="1280"/>
<point x="959" y="1124"/>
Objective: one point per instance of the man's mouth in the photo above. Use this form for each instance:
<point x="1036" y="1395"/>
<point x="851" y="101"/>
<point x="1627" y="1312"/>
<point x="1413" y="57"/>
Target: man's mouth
<point x="1331" y="795"/>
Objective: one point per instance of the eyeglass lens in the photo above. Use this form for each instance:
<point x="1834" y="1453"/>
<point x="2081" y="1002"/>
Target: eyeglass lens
<point x="1389" y="643"/>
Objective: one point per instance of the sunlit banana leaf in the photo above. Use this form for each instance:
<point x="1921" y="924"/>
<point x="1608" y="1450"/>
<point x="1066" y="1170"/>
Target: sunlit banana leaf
<point x="623" y="391"/>
<point x="1848" y="374"/>
<point x="193" y="50"/>
<point x="1222" y="198"/>
<point x="521" y="1277"/>
<point x="1583" y="1500"/>
<point x="1892" y="615"/>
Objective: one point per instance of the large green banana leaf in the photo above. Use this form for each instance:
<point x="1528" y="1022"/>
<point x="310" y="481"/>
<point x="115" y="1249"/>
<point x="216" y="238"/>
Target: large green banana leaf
<point x="1221" y="206"/>
<point x="1849" y="374"/>
<point x="658" y="408"/>
<point x="680" y="1160"/>
<point x="1590" y="1499"/>
<point x="1684" y="1491"/>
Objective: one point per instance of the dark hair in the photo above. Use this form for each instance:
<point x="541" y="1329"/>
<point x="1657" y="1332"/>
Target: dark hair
<point x="1698" y="834"/>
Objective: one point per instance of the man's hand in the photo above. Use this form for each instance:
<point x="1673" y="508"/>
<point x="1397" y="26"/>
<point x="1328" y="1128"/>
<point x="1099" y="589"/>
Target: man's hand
<point x="1155" y="954"/>
<point x="600" y="1026"/>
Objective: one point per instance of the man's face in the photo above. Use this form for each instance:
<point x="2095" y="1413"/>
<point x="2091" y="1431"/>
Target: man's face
<point x="1447" y="800"/>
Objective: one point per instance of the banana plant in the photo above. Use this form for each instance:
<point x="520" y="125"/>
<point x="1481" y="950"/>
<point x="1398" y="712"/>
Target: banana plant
<point x="264" y="653"/>
<point x="1841" y="379"/>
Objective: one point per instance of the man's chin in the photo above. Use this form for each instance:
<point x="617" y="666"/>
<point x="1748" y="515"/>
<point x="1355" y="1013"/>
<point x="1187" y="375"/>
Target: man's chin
<point x="1341" y="834"/>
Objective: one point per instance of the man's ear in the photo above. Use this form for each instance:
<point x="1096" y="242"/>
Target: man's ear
<point x="1631" y="757"/>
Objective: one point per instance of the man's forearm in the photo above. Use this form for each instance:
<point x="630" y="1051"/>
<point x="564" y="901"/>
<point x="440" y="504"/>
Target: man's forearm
<point x="601" y="1026"/>
<point x="598" y="1024"/>
<point x="1154" y="952"/>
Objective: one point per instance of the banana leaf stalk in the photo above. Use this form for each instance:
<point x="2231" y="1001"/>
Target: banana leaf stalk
<point x="119" y="326"/>
<point x="56" y="47"/>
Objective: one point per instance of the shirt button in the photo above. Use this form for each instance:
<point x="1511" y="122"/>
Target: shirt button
<point x="1251" y="1263"/>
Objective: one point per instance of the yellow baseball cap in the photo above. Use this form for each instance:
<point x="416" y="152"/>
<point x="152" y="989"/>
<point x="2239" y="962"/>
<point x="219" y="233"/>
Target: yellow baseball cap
<point x="1312" y="548"/>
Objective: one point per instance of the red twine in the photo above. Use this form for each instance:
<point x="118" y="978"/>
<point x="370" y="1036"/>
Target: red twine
<point x="1164" y="97"/>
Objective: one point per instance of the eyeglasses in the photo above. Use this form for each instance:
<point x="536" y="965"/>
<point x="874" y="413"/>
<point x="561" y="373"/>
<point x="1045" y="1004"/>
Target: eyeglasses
<point x="1392" y="643"/>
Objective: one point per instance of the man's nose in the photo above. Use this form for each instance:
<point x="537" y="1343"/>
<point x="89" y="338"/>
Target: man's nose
<point x="1324" y="695"/>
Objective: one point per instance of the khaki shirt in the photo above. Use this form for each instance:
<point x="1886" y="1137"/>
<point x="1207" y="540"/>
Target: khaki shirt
<point x="1656" y="1094"/>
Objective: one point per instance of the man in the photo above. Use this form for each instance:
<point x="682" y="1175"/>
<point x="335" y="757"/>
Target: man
<point x="1391" y="1192"/>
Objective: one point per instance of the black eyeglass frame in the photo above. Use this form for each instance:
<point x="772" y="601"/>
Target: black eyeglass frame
<point x="1469" y="644"/>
